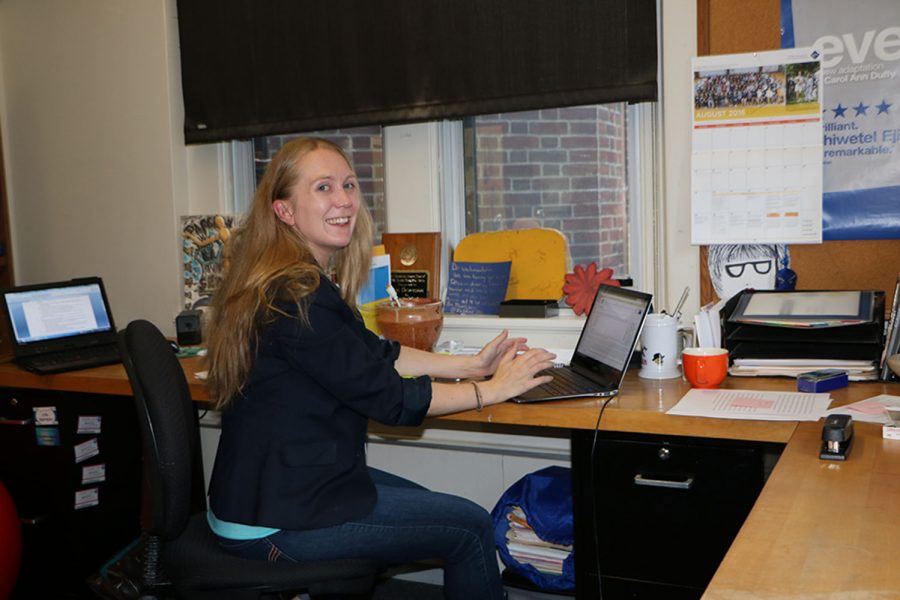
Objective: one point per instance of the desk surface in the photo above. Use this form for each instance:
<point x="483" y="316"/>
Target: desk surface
<point x="820" y="529"/>
<point x="109" y="379"/>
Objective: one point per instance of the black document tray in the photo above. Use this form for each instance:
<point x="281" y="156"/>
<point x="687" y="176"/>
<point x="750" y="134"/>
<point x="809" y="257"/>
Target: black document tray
<point x="864" y="341"/>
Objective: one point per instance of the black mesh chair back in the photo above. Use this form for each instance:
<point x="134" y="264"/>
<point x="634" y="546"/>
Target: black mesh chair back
<point x="182" y="555"/>
<point x="169" y="433"/>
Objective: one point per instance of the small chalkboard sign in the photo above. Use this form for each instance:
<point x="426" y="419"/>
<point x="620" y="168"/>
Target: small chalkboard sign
<point x="477" y="288"/>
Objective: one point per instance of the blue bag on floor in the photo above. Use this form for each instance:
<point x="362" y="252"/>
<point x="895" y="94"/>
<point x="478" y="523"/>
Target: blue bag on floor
<point x="545" y="496"/>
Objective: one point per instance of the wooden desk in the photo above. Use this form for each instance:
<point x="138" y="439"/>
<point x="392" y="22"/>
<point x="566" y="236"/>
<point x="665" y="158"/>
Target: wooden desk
<point x="819" y="529"/>
<point x="641" y="407"/>
<point x="110" y="379"/>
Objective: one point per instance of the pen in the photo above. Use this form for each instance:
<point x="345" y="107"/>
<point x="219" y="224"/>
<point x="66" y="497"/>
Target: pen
<point x="678" y="306"/>
<point x="393" y="294"/>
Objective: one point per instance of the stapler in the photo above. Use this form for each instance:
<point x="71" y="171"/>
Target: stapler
<point x="837" y="437"/>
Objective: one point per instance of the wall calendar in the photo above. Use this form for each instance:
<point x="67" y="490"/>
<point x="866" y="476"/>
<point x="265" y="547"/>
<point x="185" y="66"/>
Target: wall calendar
<point x="757" y="148"/>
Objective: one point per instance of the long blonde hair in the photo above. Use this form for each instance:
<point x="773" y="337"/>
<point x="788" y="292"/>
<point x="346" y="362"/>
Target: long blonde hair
<point x="270" y="261"/>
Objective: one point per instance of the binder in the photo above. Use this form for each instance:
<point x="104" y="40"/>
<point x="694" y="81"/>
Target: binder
<point x="856" y="337"/>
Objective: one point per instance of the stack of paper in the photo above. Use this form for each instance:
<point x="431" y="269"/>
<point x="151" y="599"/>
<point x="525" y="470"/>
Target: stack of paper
<point x="526" y="547"/>
<point x="753" y="405"/>
<point x="707" y="325"/>
<point x="857" y="370"/>
<point x="804" y="310"/>
<point x="870" y="410"/>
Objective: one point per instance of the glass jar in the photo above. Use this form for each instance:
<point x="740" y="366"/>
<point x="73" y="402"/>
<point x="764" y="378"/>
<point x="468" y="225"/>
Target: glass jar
<point x="416" y="323"/>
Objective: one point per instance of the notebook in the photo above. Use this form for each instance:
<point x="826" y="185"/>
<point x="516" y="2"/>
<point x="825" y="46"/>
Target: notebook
<point x="603" y="351"/>
<point x="61" y="326"/>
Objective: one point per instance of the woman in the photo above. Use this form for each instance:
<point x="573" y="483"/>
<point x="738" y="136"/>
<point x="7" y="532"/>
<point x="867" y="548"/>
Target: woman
<point x="299" y="377"/>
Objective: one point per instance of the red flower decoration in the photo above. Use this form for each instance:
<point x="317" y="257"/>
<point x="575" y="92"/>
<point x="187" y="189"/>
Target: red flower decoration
<point x="581" y="286"/>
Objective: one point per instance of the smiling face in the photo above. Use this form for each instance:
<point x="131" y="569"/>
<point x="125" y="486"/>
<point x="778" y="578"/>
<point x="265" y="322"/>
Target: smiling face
<point x="323" y="203"/>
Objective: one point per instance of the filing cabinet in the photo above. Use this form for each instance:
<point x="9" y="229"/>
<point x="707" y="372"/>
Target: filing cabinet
<point x="655" y="515"/>
<point x="43" y="468"/>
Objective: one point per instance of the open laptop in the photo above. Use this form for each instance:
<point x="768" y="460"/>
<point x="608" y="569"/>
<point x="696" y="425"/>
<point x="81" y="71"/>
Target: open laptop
<point x="603" y="351"/>
<point x="61" y="326"/>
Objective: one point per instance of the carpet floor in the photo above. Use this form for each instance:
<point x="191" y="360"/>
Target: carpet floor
<point x="399" y="589"/>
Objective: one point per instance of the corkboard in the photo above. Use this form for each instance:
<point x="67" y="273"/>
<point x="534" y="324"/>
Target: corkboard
<point x="731" y="26"/>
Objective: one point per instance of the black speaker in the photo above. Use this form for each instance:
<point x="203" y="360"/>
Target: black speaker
<point x="187" y="324"/>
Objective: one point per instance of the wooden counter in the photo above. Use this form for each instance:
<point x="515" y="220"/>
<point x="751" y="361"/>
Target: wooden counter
<point x="820" y="529"/>
<point x="642" y="404"/>
<point x="110" y="379"/>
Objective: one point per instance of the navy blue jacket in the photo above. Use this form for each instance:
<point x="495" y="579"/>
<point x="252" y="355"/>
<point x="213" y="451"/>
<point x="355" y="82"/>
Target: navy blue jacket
<point x="292" y="450"/>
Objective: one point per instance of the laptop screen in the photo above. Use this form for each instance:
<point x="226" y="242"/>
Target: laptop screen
<point x="56" y="311"/>
<point x="611" y="330"/>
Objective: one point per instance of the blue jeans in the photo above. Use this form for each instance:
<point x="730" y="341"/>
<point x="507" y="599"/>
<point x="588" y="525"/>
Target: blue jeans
<point x="409" y="523"/>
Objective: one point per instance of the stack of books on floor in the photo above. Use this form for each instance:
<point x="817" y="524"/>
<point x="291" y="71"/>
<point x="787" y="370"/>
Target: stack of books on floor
<point x="526" y="547"/>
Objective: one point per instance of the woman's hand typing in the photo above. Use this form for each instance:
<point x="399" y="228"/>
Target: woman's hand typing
<point x="516" y="373"/>
<point x="487" y="361"/>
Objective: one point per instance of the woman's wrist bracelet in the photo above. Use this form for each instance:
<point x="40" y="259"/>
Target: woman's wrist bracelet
<point x="479" y="402"/>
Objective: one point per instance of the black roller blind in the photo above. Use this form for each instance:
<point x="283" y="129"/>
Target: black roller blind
<point x="264" y="67"/>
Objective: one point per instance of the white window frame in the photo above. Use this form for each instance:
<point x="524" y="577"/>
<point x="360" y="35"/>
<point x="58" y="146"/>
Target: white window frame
<point x="417" y="190"/>
<point x="425" y="191"/>
<point x="238" y="181"/>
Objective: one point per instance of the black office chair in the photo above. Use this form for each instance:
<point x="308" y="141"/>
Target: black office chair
<point x="181" y="555"/>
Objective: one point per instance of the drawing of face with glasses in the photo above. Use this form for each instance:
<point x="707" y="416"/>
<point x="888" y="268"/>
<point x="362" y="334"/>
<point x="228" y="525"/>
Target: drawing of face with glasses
<point x="735" y="267"/>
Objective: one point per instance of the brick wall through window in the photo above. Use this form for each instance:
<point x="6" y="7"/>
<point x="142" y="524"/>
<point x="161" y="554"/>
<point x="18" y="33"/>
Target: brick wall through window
<point x="562" y="168"/>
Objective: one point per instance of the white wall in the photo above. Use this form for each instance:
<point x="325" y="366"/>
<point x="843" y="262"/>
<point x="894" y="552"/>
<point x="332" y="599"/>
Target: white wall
<point x="97" y="173"/>
<point x="680" y="261"/>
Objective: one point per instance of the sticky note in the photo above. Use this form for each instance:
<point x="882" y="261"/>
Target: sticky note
<point x="86" y="450"/>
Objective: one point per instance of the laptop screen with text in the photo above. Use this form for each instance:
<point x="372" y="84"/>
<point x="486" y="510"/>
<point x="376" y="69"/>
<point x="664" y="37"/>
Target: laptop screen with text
<point x="610" y="332"/>
<point x="612" y="328"/>
<point x="53" y="313"/>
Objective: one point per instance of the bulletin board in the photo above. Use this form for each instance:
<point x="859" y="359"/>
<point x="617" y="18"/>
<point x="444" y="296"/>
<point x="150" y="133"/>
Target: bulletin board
<point x="727" y="27"/>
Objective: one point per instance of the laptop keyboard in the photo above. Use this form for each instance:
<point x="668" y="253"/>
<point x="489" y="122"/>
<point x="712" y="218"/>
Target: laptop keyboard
<point x="566" y="381"/>
<point x="92" y="356"/>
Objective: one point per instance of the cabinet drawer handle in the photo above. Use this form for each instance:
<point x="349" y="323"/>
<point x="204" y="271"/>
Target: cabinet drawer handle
<point x="18" y="422"/>
<point x="684" y="484"/>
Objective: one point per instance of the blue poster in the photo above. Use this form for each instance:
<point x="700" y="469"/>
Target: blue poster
<point x="860" y="46"/>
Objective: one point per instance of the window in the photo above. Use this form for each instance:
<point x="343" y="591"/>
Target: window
<point x="563" y="168"/>
<point x="576" y="169"/>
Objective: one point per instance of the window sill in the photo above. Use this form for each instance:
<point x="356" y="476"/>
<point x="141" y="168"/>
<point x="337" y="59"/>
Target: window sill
<point x="561" y="331"/>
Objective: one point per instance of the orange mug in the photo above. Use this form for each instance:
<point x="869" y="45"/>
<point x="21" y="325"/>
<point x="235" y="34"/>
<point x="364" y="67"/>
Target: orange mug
<point x="705" y="367"/>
